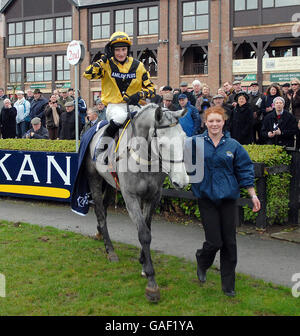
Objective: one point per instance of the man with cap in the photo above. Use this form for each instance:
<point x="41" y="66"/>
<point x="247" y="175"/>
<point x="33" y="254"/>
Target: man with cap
<point x="37" y="106"/>
<point x="255" y="100"/>
<point x="37" y="131"/>
<point x="124" y="81"/>
<point x="237" y="87"/>
<point x="218" y="100"/>
<point x="101" y="109"/>
<point x="66" y="129"/>
<point x="191" y="122"/>
<point x="63" y="99"/>
<point x="168" y="101"/>
<point x="183" y="89"/>
<point x="279" y="126"/>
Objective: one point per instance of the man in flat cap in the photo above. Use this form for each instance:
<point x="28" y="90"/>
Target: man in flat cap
<point x="183" y="89"/>
<point x="66" y="129"/>
<point x="255" y="100"/>
<point x="237" y="88"/>
<point x="63" y="99"/>
<point x="37" y="131"/>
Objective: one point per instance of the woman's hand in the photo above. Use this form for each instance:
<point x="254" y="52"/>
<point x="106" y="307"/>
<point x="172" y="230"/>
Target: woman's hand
<point x="256" y="204"/>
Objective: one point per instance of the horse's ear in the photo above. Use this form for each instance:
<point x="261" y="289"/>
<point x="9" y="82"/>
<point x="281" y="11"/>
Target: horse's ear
<point x="180" y="113"/>
<point x="158" y="114"/>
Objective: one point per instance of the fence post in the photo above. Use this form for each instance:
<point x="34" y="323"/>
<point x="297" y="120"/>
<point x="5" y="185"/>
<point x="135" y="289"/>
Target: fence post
<point x="261" y="186"/>
<point x="294" y="188"/>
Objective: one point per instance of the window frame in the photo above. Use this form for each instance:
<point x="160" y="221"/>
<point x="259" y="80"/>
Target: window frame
<point x="195" y="15"/>
<point x="44" y="31"/>
<point x="246" y="2"/>
<point x="148" y="20"/>
<point x="115" y="23"/>
<point x="34" y="72"/>
<point x="101" y="25"/>
<point x="64" y="69"/>
<point x="15" y="72"/>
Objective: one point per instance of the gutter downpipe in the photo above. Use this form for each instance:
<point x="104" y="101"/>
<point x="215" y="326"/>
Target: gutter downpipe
<point x="168" y="54"/>
<point x="220" y="45"/>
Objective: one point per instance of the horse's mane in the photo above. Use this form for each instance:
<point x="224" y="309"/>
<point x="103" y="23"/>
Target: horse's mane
<point x="145" y="108"/>
<point x="148" y="107"/>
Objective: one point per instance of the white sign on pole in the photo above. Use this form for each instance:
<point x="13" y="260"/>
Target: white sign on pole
<point x="75" y="55"/>
<point x="75" y="52"/>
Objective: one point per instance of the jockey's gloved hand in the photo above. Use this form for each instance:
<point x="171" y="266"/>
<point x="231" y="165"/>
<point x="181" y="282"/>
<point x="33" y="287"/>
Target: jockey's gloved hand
<point x="134" y="99"/>
<point x="100" y="56"/>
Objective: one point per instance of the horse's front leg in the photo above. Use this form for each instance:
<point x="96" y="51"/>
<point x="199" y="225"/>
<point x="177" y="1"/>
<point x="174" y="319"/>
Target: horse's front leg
<point x="96" y="184"/>
<point x="144" y="234"/>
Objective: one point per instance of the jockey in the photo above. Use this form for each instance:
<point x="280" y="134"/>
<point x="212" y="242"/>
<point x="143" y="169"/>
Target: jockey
<point x="124" y="81"/>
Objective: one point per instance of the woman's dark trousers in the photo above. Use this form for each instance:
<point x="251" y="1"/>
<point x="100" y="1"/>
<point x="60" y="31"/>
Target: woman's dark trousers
<point x="219" y="222"/>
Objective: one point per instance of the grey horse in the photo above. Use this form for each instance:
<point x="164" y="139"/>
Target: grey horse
<point x="151" y="147"/>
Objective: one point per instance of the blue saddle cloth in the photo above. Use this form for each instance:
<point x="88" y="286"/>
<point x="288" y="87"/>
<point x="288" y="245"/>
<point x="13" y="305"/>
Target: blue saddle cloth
<point x="81" y="189"/>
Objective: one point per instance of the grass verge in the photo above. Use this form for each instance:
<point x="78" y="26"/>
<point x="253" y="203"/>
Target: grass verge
<point x="53" y="272"/>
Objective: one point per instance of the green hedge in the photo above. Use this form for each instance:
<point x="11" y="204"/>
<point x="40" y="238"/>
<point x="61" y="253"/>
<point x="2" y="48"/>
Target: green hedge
<point x="277" y="185"/>
<point x="277" y="188"/>
<point x="38" y="145"/>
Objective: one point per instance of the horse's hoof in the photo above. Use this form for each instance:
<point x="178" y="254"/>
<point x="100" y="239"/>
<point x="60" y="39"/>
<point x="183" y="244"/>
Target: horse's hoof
<point x="143" y="274"/>
<point x="98" y="236"/>
<point x="152" y="294"/>
<point x="112" y="257"/>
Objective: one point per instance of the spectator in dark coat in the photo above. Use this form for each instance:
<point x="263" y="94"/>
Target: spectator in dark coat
<point x="279" y="127"/>
<point x="101" y="109"/>
<point x="204" y="101"/>
<point x="38" y="131"/>
<point x="67" y="123"/>
<point x="37" y="106"/>
<point x="255" y="100"/>
<point x="184" y="90"/>
<point x="191" y="122"/>
<point x="8" y="120"/>
<point x="295" y="103"/>
<point x="267" y="106"/>
<point x="236" y="88"/>
<point x="82" y="108"/>
<point x="242" y="120"/>
<point x="285" y="88"/>
<point x="52" y="114"/>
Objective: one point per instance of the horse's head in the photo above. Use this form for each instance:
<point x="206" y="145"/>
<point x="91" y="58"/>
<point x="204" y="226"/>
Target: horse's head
<point x="170" y="143"/>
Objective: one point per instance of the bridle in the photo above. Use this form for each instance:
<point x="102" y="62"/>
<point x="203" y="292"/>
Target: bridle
<point x="148" y="162"/>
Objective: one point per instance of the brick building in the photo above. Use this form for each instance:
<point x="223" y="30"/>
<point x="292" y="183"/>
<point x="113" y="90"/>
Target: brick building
<point x="210" y="40"/>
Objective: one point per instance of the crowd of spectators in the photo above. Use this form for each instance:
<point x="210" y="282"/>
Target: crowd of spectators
<point x="270" y="117"/>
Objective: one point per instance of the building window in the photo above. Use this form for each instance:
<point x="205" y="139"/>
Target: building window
<point x="63" y="31"/>
<point x="15" y="34"/>
<point x="148" y="20"/>
<point x="195" y="15"/>
<point x="148" y="58"/>
<point x="62" y="68"/>
<point x="40" y="31"/>
<point x="124" y="21"/>
<point x="100" y="25"/>
<point x="38" y="69"/>
<point x="15" y="70"/>
<point x="240" y="5"/>
<point x="279" y="3"/>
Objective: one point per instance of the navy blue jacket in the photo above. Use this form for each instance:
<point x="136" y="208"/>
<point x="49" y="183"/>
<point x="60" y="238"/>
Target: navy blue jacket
<point x="37" y="108"/>
<point x="227" y="168"/>
<point x="191" y="122"/>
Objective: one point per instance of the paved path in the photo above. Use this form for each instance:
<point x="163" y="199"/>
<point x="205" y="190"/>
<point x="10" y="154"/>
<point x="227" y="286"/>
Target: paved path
<point x="269" y="259"/>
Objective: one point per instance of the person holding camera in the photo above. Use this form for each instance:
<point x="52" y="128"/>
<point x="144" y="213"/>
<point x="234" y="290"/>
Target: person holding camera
<point x="279" y="127"/>
<point x="52" y="114"/>
<point x="124" y="80"/>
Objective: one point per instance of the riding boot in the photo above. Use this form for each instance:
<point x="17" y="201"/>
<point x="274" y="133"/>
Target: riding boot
<point x="110" y="132"/>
